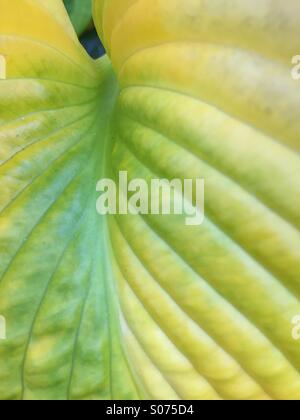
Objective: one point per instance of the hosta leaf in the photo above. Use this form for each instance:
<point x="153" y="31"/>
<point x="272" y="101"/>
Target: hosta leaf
<point x="206" y="92"/>
<point x="150" y="308"/>
<point x="55" y="283"/>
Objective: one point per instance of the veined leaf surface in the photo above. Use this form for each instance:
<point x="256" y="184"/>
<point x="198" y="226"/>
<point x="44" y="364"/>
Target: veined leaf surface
<point x="198" y="90"/>
<point x="62" y="338"/>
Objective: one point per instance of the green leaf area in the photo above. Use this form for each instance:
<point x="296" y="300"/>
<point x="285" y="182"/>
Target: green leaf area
<point x="80" y="12"/>
<point x="133" y="307"/>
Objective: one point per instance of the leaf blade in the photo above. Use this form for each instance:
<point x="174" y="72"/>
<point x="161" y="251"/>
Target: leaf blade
<point x="55" y="279"/>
